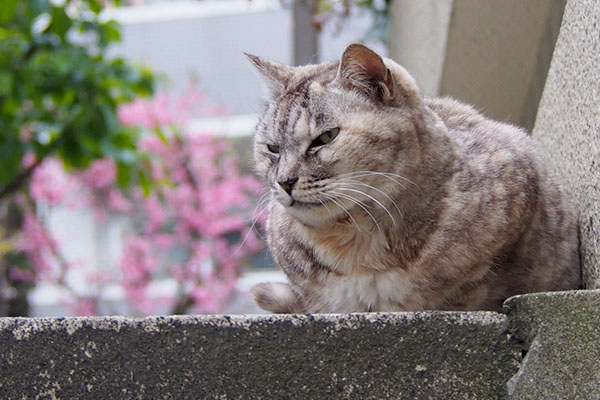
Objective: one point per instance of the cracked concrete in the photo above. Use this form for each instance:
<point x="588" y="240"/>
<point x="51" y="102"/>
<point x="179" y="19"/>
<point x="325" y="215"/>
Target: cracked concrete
<point x="560" y="338"/>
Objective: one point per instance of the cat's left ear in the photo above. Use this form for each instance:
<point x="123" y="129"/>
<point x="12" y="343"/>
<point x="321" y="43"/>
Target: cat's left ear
<point x="275" y="75"/>
<point x="363" y="70"/>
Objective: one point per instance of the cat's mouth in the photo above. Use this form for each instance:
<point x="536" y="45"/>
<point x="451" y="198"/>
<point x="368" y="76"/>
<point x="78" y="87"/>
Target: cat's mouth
<point x="302" y="204"/>
<point x="295" y="203"/>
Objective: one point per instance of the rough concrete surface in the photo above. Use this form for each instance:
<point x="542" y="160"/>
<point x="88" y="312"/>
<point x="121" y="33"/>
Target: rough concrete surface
<point x="560" y="335"/>
<point x="568" y="123"/>
<point x="438" y="355"/>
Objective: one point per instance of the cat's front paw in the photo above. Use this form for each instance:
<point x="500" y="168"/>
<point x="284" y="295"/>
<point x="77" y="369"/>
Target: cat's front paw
<point x="277" y="297"/>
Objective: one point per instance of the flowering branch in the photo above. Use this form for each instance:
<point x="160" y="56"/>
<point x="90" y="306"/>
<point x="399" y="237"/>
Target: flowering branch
<point x="193" y="228"/>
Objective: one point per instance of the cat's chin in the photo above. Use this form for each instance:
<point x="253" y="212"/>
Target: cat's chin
<point x="311" y="214"/>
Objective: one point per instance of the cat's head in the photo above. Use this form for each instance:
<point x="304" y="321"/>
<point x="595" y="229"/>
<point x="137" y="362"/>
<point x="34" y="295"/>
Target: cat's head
<point x="337" y="135"/>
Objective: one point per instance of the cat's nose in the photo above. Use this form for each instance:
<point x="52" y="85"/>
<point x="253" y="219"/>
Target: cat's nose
<point x="288" y="184"/>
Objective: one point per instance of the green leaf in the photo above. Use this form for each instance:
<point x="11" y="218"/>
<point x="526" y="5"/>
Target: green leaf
<point x="11" y="153"/>
<point x="145" y="182"/>
<point x="161" y="135"/>
<point x="61" y="23"/>
<point x="95" y="6"/>
<point x="111" y="30"/>
<point x="74" y="154"/>
<point x="123" y="174"/>
<point x="7" y="10"/>
<point x="66" y="91"/>
<point x="6" y="83"/>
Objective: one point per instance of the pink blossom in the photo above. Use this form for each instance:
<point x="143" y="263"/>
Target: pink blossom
<point x="138" y="260"/>
<point x="28" y="159"/>
<point x="136" y="113"/>
<point x="161" y="112"/>
<point x="117" y="201"/>
<point x="82" y="307"/>
<point x="151" y="143"/>
<point x="49" y="182"/>
<point x="101" y="174"/>
<point x="156" y="214"/>
<point x="36" y="242"/>
<point x="164" y="240"/>
<point x="18" y="274"/>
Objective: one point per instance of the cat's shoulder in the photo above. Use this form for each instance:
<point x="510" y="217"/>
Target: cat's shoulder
<point x="454" y="114"/>
<point x="466" y="124"/>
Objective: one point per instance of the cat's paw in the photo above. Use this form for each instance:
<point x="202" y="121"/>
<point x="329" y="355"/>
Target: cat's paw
<point x="277" y="297"/>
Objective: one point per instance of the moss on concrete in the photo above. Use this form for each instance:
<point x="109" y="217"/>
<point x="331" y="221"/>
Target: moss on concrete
<point x="560" y="337"/>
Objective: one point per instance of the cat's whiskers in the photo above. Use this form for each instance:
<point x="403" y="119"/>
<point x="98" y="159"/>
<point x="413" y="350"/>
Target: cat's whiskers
<point x="355" y="182"/>
<point x="326" y="207"/>
<point x="260" y="207"/>
<point x="358" y="203"/>
<point x="372" y="198"/>
<point x="340" y="205"/>
<point x="387" y="175"/>
<point x="254" y="218"/>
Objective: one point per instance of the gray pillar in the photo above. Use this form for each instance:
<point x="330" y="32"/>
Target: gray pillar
<point x="418" y="32"/>
<point x="305" y="34"/>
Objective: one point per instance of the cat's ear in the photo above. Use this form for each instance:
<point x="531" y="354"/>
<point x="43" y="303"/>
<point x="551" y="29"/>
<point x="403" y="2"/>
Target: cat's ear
<point x="363" y="70"/>
<point x="275" y="75"/>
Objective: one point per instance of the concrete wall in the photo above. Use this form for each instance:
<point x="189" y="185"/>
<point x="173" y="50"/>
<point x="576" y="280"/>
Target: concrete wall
<point x="568" y="123"/>
<point x="492" y="54"/>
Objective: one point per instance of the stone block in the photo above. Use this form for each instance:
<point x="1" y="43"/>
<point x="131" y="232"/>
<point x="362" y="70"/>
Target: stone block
<point x="437" y="355"/>
<point x="560" y="342"/>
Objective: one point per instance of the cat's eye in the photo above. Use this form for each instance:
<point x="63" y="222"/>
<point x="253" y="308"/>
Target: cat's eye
<point x="325" y="137"/>
<point x="273" y="148"/>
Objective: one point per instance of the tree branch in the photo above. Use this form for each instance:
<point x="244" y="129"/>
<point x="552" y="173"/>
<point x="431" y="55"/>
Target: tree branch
<point x="20" y="179"/>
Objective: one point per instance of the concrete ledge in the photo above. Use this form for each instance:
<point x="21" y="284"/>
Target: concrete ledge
<point x="560" y="337"/>
<point x="439" y="355"/>
<point x="428" y="355"/>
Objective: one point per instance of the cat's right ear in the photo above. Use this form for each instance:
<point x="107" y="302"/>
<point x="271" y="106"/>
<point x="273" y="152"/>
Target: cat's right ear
<point x="275" y="75"/>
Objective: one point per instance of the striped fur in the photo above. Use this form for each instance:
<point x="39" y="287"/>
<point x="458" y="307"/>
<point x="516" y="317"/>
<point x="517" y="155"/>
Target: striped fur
<point x="417" y="204"/>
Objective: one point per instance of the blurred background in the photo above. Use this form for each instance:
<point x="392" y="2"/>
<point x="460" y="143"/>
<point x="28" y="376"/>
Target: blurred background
<point x="125" y="154"/>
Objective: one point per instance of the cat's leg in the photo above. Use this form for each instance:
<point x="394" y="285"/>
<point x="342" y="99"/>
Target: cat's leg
<point x="277" y="297"/>
<point x="471" y="296"/>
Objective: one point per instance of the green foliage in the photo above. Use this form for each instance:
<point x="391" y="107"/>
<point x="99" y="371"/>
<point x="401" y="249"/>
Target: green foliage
<point x="340" y="10"/>
<point x="59" y="91"/>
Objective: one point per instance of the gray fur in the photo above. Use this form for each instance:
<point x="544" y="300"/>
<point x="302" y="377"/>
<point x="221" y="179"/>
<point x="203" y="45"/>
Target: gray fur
<point x="417" y="204"/>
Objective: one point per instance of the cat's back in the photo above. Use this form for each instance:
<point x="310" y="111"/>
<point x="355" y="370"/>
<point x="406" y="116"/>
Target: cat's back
<point x="494" y="159"/>
<point x="507" y="194"/>
<point x="469" y="128"/>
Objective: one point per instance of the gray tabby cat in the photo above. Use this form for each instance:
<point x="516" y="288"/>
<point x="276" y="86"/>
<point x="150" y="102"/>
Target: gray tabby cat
<point x="381" y="200"/>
